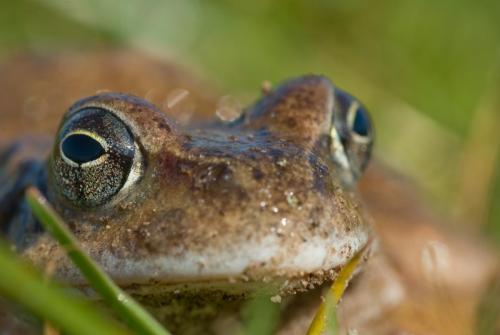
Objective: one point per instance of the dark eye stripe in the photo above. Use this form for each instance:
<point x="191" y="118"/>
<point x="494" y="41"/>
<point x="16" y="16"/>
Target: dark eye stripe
<point x="361" y="124"/>
<point x="81" y="148"/>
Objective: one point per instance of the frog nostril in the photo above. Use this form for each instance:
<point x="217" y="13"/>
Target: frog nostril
<point x="82" y="148"/>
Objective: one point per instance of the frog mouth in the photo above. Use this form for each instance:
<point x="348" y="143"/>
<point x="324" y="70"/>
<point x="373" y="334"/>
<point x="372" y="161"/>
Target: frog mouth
<point x="252" y="260"/>
<point x="269" y="260"/>
<point x="299" y="285"/>
<point x="281" y="282"/>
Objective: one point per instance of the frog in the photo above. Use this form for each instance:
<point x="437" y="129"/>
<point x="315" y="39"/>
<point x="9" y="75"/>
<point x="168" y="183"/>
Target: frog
<point x="251" y="177"/>
<point x="218" y="208"/>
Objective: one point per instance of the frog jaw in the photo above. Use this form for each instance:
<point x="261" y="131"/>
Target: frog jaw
<point x="270" y="260"/>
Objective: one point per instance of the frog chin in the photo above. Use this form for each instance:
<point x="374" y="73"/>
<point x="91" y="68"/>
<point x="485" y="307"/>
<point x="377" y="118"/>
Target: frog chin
<point x="272" y="258"/>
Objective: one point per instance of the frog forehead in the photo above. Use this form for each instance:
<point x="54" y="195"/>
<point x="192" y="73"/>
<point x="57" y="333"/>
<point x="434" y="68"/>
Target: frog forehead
<point x="255" y="197"/>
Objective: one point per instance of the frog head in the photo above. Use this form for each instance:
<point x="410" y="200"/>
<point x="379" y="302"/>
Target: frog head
<point x="268" y="198"/>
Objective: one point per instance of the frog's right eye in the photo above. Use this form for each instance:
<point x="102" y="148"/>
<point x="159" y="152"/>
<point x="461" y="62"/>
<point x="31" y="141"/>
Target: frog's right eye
<point x="95" y="157"/>
<point x="352" y="135"/>
<point x="359" y="121"/>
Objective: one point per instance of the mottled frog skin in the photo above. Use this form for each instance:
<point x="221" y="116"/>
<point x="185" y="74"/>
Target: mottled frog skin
<point x="192" y="217"/>
<point x="268" y="198"/>
<point x="260" y="196"/>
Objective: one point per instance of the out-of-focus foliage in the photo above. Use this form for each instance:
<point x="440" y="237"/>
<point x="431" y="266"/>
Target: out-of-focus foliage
<point x="426" y="69"/>
<point x="488" y="311"/>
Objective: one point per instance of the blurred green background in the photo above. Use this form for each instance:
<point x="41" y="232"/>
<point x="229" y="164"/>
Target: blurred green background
<point x="428" y="70"/>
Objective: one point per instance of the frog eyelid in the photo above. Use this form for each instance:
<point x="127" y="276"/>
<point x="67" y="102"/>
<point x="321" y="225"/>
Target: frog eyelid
<point x="96" y="138"/>
<point x="338" y="150"/>
<point x="351" y="116"/>
<point x="136" y="170"/>
<point x="116" y="112"/>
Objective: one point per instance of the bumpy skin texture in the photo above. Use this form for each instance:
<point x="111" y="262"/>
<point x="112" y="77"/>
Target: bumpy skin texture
<point x="394" y="295"/>
<point x="215" y="202"/>
<point x="219" y="210"/>
<point x="221" y="207"/>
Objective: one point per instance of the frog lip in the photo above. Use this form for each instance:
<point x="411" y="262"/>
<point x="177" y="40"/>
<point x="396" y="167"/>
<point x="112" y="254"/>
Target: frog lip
<point x="271" y="257"/>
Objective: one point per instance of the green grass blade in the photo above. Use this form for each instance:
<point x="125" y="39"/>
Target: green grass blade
<point x="260" y="316"/>
<point x="488" y="310"/>
<point x="325" y="320"/>
<point x="21" y="284"/>
<point x="127" y="308"/>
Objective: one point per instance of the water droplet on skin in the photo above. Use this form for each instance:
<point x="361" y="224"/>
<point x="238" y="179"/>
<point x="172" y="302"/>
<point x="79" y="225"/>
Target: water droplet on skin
<point x="282" y="162"/>
<point x="227" y="176"/>
<point x="291" y="199"/>
<point x="228" y="109"/>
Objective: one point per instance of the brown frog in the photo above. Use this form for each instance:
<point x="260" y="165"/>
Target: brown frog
<point x="203" y="214"/>
<point x="217" y="208"/>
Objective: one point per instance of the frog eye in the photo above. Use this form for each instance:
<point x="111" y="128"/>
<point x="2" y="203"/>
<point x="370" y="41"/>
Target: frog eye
<point x="358" y="140"/>
<point x="82" y="148"/>
<point x="95" y="157"/>
<point x="352" y="136"/>
<point x="360" y="123"/>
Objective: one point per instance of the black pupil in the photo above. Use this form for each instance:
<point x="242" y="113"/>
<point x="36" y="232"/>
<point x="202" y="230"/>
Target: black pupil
<point x="361" y="123"/>
<point x="81" y="148"/>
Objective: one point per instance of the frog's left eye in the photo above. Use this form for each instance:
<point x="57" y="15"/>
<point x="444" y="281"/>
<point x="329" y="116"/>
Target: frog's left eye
<point x="82" y="148"/>
<point x="95" y="157"/>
